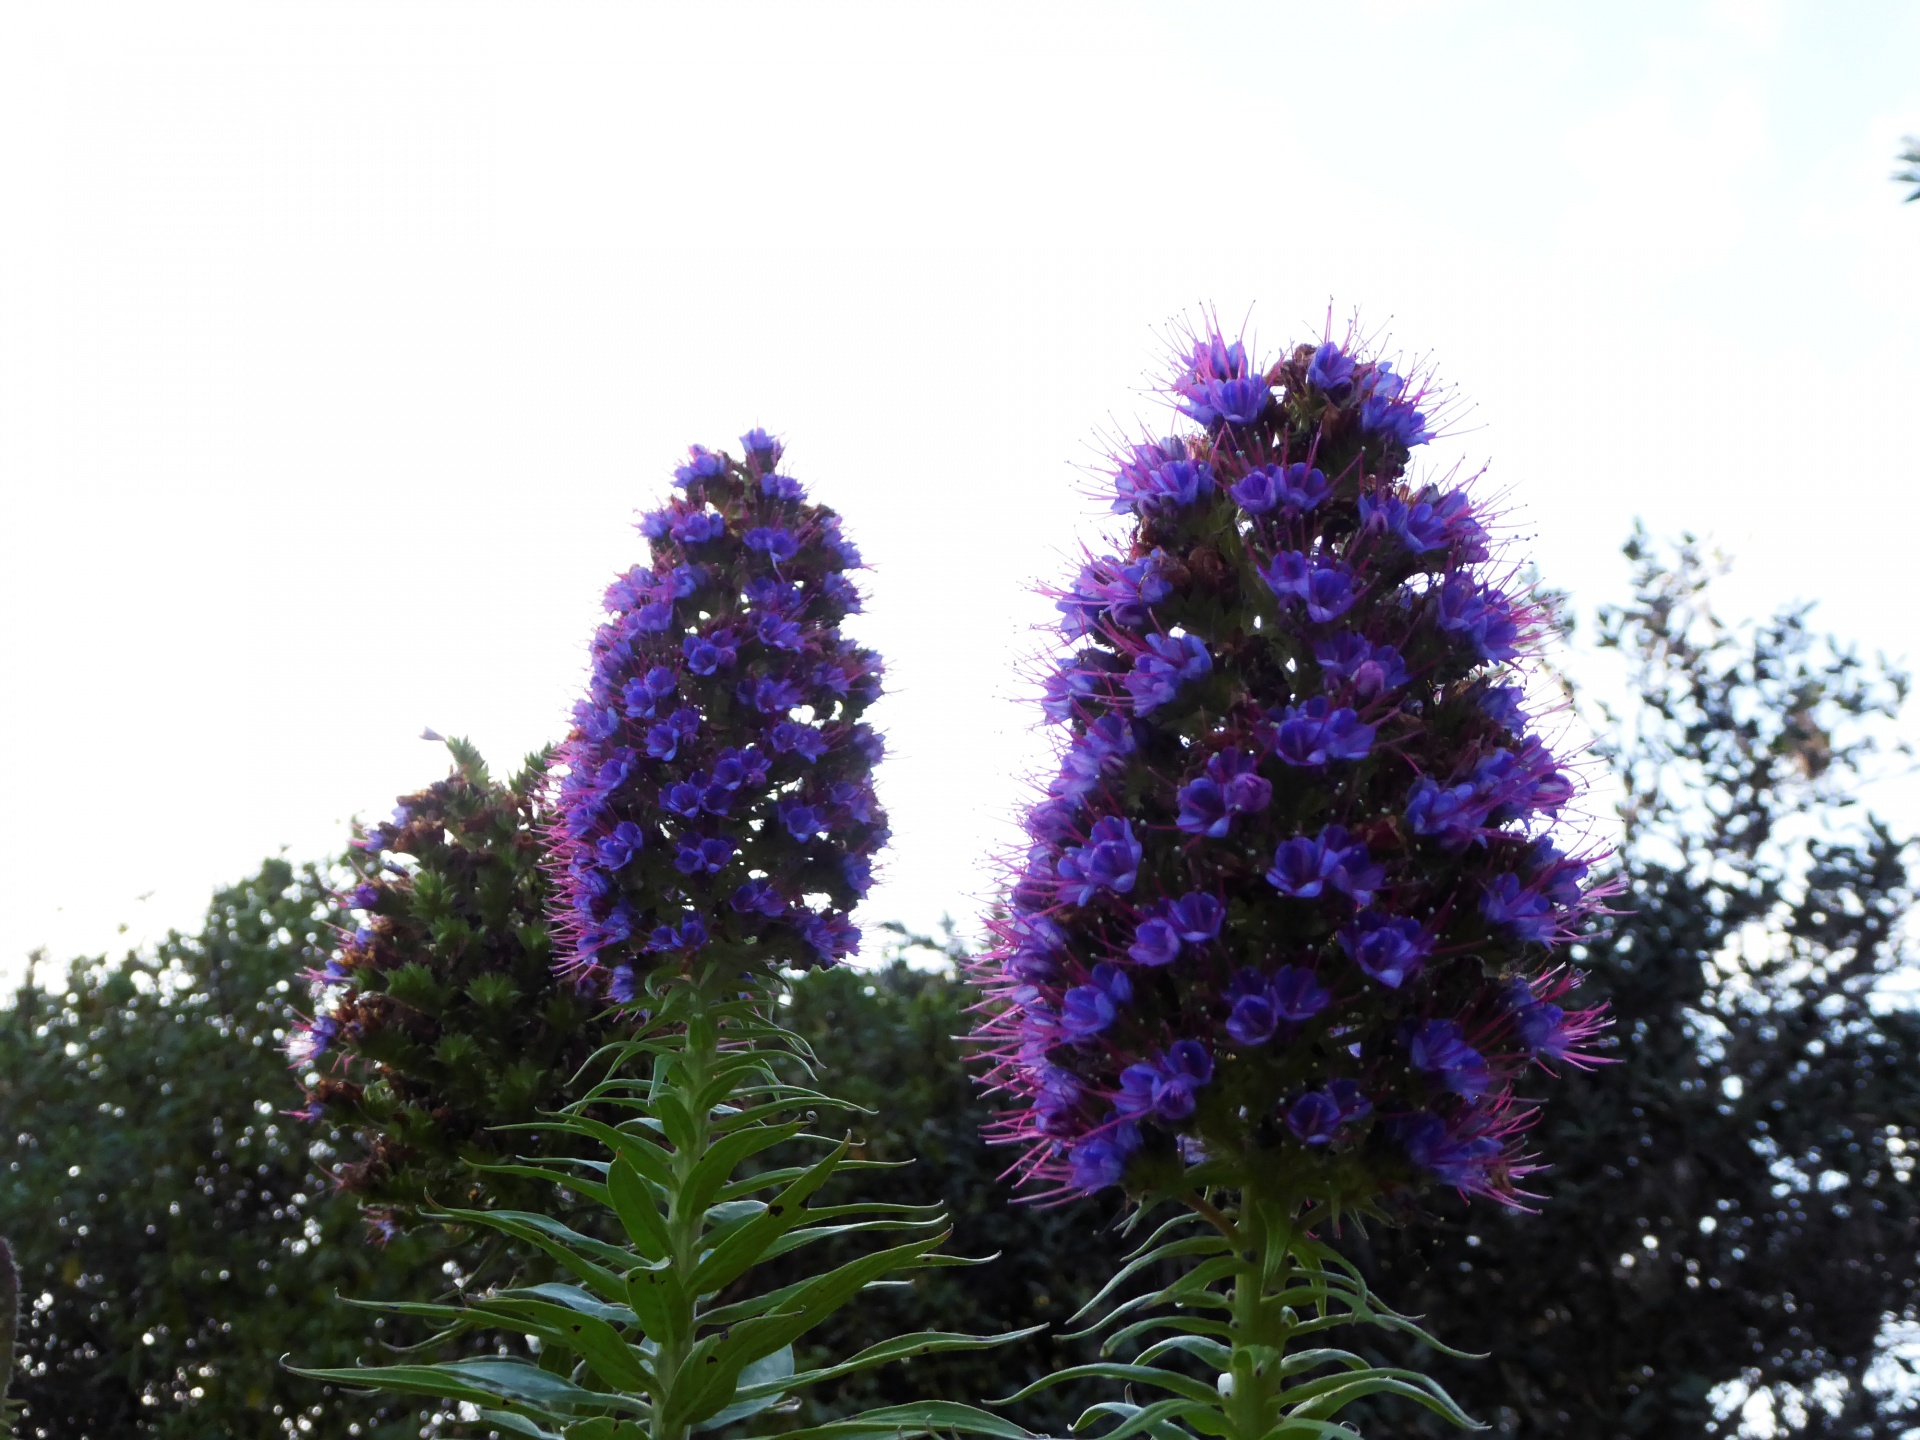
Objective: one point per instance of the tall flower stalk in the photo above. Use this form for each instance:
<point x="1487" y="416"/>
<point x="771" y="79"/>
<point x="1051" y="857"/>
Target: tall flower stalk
<point x="714" y="826"/>
<point x="1289" y="933"/>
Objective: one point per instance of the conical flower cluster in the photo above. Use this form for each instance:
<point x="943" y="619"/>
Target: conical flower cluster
<point x="1294" y="900"/>
<point x="438" y="1017"/>
<point x="718" y="786"/>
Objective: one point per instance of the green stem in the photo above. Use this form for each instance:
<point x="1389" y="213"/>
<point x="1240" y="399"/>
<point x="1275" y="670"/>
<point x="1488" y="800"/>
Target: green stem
<point x="684" y="1075"/>
<point x="1263" y="1234"/>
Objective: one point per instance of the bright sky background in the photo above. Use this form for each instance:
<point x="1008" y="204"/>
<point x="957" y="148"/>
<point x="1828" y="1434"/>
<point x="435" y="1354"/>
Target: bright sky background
<point x="339" y="345"/>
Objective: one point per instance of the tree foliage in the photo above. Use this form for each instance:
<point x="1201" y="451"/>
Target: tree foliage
<point x="174" y="1237"/>
<point x="1730" y="1211"/>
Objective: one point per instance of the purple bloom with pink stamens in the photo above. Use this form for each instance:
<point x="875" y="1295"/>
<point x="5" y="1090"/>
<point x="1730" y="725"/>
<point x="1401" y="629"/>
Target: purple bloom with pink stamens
<point x="1300" y="806"/>
<point x="691" y="718"/>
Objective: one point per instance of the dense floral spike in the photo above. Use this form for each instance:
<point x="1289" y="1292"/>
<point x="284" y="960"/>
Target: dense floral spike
<point x="1295" y="896"/>
<point x="438" y="1018"/>
<point x="718" y="777"/>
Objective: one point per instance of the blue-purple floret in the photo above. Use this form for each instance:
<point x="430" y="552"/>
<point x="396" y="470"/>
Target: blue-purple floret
<point x="693" y="807"/>
<point x="1294" y="884"/>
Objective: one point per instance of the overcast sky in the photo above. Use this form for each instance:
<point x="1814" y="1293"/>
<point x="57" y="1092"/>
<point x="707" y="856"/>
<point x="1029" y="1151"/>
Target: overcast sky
<point x="339" y="345"/>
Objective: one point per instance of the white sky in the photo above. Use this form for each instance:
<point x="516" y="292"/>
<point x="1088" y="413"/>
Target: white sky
<point x="340" y="343"/>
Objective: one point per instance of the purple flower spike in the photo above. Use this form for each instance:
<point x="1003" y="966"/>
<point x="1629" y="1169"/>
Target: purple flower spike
<point x="1298" y="802"/>
<point x="688" y="719"/>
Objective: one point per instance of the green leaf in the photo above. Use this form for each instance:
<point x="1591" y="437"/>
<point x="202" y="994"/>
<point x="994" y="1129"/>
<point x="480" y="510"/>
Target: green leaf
<point x="633" y="1202"/>
<point x="926" y="1417"/>
<point x="1182" y="1385"/>
<point x="516" y="1424"/>
<point x="758" y="1387"/>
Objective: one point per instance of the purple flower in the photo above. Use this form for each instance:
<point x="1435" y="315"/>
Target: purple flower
<point x="1197" y="916"/>
<point x="1453" y="815"/>
<point x="1155" y="942"/>
<point x="1314" y="733"/>
<point x="1314" y="1117"/>
<point x="621" y="846"/>
<point x="708" y="653"/>
<point x="1297" y="996"/>
<point x="709" y="857"/>
<point x="1167" y="663"/>
<point x="1203" y="809"/>
<point x="803" y="822"/>
<point x="1102" y="1160"/>
<point x="1372" y="670"/>
<point x="1389" y="949"/>
<point x="1418" y="527"/>
<point x="761" y="449"/>
<point x="1261" y="1004"/>
<point x="1088" y="1009"/>
<point x="1543" y="1029"/>
<point x="1317" y="1116"/>
<point x="1501" y="704"/>
<point x="1109" y="860"/>
<point x="789" y="737"/>
<point x="620" y="985"/>
<point x="1109" y="589"/>
<point x="699" y="527"/>
<point x="644" y="694"/>
<point x="364" y="896"/>
<point x="702" y="464"/>
<point x="858" y="871"/>
<point x="1325" y="585"/>
<point x="1383" y="412"/>
<point x="775" y="697"/>
<point x="1453" y="1159"/>
<point x="1468" y="610"/>
<point x="1165" y="1086"/>
<point x="1238" y="401"/>
<point x="1236" y="772"/>
<point x="1304" y="867"/>
<point x="1296" y="488"/>
<point x="776" y="542"/>
<point x="1160" y="477"/>
<point x="1528" y="914"/>
<point x="1437" y="1049"/>
<point x="758" y="897"/>
<point x="1331" y="370"/>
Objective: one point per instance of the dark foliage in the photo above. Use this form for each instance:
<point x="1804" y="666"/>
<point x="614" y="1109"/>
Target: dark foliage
<point x="443" y="1017"/>
<point x="885" y="1039"/>
<point x="174" y="1239"/>
<point x="1730" y="1204"/>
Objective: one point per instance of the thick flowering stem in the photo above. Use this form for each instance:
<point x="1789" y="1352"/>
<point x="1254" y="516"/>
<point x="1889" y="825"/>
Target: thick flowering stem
<point x="680" y="1078"/>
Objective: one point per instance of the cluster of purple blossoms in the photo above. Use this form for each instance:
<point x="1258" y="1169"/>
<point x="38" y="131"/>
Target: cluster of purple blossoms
<point x="718" y="787"/>
<point x="1295" y="892"/>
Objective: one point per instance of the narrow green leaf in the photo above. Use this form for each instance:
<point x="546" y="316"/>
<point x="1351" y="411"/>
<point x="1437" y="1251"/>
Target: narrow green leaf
<point x="900" y="1347"/>
<point x="633" y="1202"/>
<point x="926" y="1417"/>
<point x="1182" y="1385"/>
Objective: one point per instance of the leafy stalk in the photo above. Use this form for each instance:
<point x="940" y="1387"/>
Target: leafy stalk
<point x="1256" y="1290"/>
<point x="663" y="1333"/>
